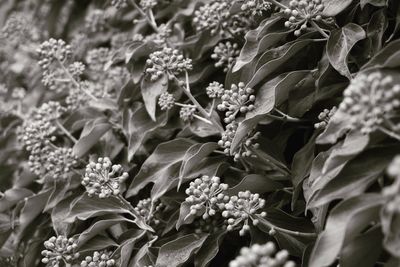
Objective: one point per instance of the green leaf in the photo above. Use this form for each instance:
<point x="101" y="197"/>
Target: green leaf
<point x="91" y="133"/>
<point x="151" y="90"/>
<point x="165" y="161"/>
<point x="334" y="7"/>
<point x="378" y="3"/>
<point x="256" y="184"/>
<point x="339" y="45"/>
<point x="97" y="243"/>
<point x="32" y="208"/>
<point x="177" y="252"/>
<point x="375" y="31"/>
<point x="184" y="215"/>
<point x="209" y="249"/>
<point x="344" y="224"/>
<point x="388" y="57"/>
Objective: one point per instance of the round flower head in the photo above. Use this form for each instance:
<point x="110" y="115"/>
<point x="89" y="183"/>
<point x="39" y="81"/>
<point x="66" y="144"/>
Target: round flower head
<point x="97" y="58"/>
<point x="254" y="7"/>
<point x="16" y="29"/>
<point x="187" y="113"/>
<point x="237" y="99"/>
<point x="167" y="61"/>
<point x="324" y="118"/>
<point x="148" y="212"/>
<point x="301" y="12"/>
<point x="211" y="16"/>
<point x="369" y="100"/>
<point x="53" y="50"/>
<point x="225" y="54"/>
<point x="103" y="179"/>
<point x="99" y="259"/>
<point x="166" y="101"/>
<point x="262" y="256"/>
<point x="95" y="21"/>
<point x="76" y="69"/>
<point x="206" y="195"/>
<point x="59" y="249"/>
<point x="215" y="90"/>
<point x="241" y="208"/>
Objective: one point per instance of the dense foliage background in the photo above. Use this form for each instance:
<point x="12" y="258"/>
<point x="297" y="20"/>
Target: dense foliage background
<point x="199" y="133"/>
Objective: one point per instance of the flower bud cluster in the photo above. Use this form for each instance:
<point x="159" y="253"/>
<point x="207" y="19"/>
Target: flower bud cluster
<point x="99" y="259"/>
<point x="149" y="213"/>
<point x="118" y="4"/>
<point x="206" y="195"/>
<point x="241" y="208"/>
<point x="16" y="29"/>
<point x="18" y="93"/>
<point x="225" y="54"/>
<point x="324" y="118"/>
<point x="147" y="4"/>
<point x="211" y="16"/>
<point x="301" y="12"/>
<point x="392" y="192"/>
<point x="235" y="100"/>
<point x="52" y="50"/>
<point x="262" y="256"/>
<point x="95" y="21"/>
<point x="166" y="101"/>
<point x="215" y="90"/>
<point x="59" y="249"/>
<point x="103" y="179"/>
<point x="76" y="69"/>
<point x="369" y="100"/>
<point x="96" y="58"/>
<point x="210" y="225"/>
<point x="246" y="146"/>
<point x="187" y="113"/>
<point x="255" y="7"/>
<point x="167" y="61"/>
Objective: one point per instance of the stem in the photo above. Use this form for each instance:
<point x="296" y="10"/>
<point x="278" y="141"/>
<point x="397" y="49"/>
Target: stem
<point x="184" y="105"/>
<point x="202" y="119"/>
<point x="66" y="132"/>
<point x="212" y="107"/>
<point x="286" y="116"/>
<point x="390" y="133"/>
<point x="286" y="231"/>
<point x="149" y="21"/>
<point x="282" y="118"/>
<point x="318" y="28"/>
<point x="278" y="4"/>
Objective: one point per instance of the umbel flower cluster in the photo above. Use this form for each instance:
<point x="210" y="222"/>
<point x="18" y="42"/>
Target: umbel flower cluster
<point x="149" y="211"/>
<point x="168" y="61"/>
<point x="324" y="118"/>
<point x="59" y="250"/>
<point x="225" y="54"/>
<point x="103" y="179"/>
<point x="303" y="12"/>
<point x="99" y="259"/>
<point x="371" y="101"/>
<point x="262" y="256"/>
<point x="53" y="50"/>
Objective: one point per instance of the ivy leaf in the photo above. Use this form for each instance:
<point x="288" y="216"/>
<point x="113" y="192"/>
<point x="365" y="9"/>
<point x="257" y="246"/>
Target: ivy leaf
<point x="378" y="3"/>
<point x="388" y="57"/>
<point x="12" y="196"/>
<point x="178" y="251"/>
<point x="97" y="243"/>
<point x="334" y="7"/>
<point x="151" y="90"/>
<point x="256" y="184"/>
<point x="33" y="207"/>
<point x="91" y="133"/>
<point x="164" y="162"/>
<point x="339" y="45"/>
<point x="184" y="215"/>
<point x="345" y="221"/>
<point x="209" y="249"/>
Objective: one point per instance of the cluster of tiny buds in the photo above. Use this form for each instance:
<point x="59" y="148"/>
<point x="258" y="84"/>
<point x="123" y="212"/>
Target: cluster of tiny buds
<point x="255" y="7"/>
<point x="392" y="191"/>
<point x="59" y="249"/>
<point x="167" y="61"/>
<point x="119" y="3"/>
<point x="225" y="54"/>
<point x="99" y="259"/>
<point x="147" y="4"/>
<point x="237" y="99"/>
<point x="18" y="93"/>
<point x="95" y="21"/>
<point x="324" y="118"/>
<point x="187" y="113"/>
<point x="206" y="195"/>
<point x="370" y="100"/>
<point x="145" y="209"/>
<point x="76" y="69"/>
<point x="166" y="101"/>
<point x="262" y="256"/>
<point x="301" y="12"/>
<point x="241" y="208"/>
<point x="215" y="90"/>
<point x="52" y="50"/>
<point x="103" y="178"/>
<point x="211" y="16"/>
<point x="96" y="58"/>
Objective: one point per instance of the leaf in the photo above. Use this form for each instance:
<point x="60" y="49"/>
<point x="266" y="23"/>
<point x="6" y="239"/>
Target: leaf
<point x="256" y="184"/>
<point x="193" y="156"/>
<point x="151" y="90"/>
<point x="177" y="252"/>
<point x="32" y="208"/>
<point x="209" y="249"/>
<point x="91" y="133"/>
<point x="97" y="243"/>
<point x="375" y="31"/>
<point x="388" y="57"/>
<point x="334" y="7"/>
<point x="164" y="162"/>
<point x="378" y="3"/>
<point x="340" y="226"/>
<point x="12" y="196"/>
<point x="339" y="45"/>
<point x="184" y="215"/>
<point x="354" y="178"/>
